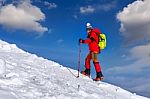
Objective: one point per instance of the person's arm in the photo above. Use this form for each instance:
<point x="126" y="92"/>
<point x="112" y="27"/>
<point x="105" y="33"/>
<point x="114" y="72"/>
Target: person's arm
<point x="89" y="40"/>
<point x="86" y="41"/>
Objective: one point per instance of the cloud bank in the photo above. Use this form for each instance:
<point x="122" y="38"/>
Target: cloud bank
<point x="135" y="21"/>
<point x="23" y="16"/>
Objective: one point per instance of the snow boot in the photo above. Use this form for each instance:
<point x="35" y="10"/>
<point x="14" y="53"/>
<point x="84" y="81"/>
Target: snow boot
<point x="99" y="76"/>
<point x="86" y="72"/>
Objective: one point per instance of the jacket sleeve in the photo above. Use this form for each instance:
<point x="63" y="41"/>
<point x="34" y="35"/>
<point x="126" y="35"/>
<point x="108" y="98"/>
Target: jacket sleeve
<point x="89" y="40"/>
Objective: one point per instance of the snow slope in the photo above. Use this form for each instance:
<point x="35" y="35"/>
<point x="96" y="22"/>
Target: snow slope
<point x="26" y="76"/>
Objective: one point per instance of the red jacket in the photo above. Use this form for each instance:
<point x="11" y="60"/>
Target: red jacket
<point x="92" y="40"/>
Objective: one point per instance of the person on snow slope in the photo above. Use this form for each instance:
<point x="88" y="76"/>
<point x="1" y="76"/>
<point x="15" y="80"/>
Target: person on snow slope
<point x="92" y="41"/>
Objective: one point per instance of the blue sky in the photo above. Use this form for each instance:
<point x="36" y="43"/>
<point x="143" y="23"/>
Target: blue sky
<point x="52" y="28"/>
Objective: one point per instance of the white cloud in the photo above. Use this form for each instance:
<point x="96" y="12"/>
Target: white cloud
<point x="24" y="16"/>
<point x="97" y="7"/>
<point x="75" y="16"/>
<point x="87" y="9"/>
<point x="141" y="85"/>
<point x="140" y="52"/>
<point x="136" y="67"/>
<point x="140" y="55"/>
<point x="135" y="21"/>
<point x="137" y="84"/>
<point x="50" y="5"/>
<point x="60" y="41"/>
<point x="2" y="2"/>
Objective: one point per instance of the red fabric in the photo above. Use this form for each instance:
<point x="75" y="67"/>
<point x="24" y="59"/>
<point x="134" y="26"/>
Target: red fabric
<point x="97" y="67"/>
<point x="87" y="62"/>
<point x="96" y="64"/>
<point x="93" y="45"/>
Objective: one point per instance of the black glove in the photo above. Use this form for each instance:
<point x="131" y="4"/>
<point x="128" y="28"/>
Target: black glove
<point x="81" y="41"/>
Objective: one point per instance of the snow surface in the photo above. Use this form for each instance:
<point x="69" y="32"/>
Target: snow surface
<point x="27" y="76"/>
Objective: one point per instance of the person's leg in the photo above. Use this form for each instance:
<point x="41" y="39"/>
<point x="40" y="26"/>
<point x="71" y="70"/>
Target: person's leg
<point x="87" y="61"/>
<point x="87" y="65"/>
<point x="99" y="75"/>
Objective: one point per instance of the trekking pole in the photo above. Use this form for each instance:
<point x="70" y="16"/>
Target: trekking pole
<point x="79" y="59"/>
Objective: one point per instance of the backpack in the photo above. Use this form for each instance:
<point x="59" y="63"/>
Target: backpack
<point x="102" y="38"/>
<point x="102" y="41"/>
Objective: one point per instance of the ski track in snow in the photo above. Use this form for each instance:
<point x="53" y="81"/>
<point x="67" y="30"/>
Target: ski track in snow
<point x="27" y="76"/>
